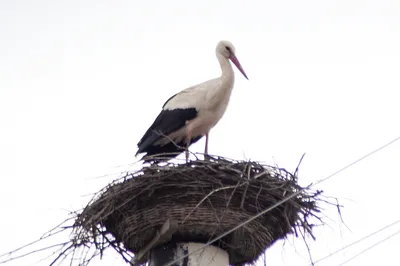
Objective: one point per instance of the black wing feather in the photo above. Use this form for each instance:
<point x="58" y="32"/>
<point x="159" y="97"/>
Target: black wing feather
<point x="168" y="151"/>
<point x="166" y="122"/>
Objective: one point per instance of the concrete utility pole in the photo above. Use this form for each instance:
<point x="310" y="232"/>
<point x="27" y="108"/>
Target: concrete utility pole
<point x="163" y="251"/>
<point x="209" y="256"/>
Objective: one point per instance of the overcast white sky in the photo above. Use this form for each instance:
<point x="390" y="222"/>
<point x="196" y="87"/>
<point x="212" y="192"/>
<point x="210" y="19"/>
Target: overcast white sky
<point x="81" y="81"/>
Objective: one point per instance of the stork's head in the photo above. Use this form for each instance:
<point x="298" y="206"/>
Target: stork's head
<point x="227" y="50"/>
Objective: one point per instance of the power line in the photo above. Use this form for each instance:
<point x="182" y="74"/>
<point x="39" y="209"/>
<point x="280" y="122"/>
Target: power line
<point x="282" y="201"/>
<point x="356" y="242"/>
<point x="359" y="160"/>
<point x="370" y="247"/>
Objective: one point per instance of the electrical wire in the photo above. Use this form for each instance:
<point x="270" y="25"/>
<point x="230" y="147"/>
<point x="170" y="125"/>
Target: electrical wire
<point x="370" y="247"/>
<point x="355" y="242"/>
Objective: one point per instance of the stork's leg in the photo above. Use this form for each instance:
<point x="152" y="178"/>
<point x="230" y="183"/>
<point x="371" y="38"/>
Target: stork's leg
<point x="206" y="148"/>
<point x="206" y="157"/>
<point x="188" y="137"/>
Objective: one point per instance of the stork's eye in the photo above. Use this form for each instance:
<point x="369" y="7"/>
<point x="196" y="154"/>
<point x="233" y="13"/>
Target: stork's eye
<point x="229" y="49"/>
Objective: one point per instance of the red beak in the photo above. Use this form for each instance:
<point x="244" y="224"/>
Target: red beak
<point x="237" y="64"/>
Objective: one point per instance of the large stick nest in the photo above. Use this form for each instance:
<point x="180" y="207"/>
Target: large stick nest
<point x="206" y="199"/>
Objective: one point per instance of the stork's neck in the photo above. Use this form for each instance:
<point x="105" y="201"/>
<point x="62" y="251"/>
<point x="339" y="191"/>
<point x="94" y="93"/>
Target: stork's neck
<point x="227" y="74"/>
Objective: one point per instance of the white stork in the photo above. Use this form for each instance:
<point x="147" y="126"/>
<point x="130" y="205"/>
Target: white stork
<point x="190" y="114"/>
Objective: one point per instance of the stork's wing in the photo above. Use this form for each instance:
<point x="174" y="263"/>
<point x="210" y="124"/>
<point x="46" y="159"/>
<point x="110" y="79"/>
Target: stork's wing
<point x="166" y="122"/>
<point x="178" y="109"/>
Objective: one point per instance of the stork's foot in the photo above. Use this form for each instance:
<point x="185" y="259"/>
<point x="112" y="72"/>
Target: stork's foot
<point x="207" y="157"/>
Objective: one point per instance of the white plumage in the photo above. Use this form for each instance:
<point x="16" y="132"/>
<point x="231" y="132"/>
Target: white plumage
<point x="190" y="114"/>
